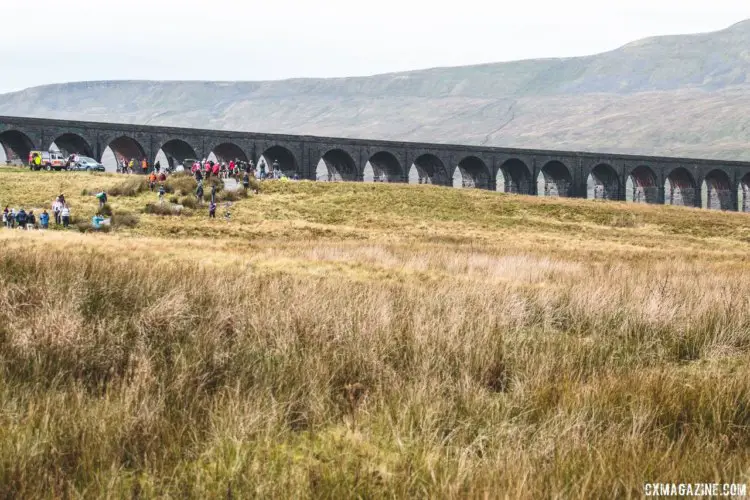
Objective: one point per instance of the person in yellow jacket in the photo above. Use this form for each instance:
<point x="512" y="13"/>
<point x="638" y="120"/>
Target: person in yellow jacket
<point x="38" y="161"/>
<point x="131" y="166"/>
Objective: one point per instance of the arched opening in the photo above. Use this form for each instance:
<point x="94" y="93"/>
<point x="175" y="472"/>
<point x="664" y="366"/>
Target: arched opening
<point x="603" y="184"/>
<point x="471" y="172"/>
<point x="382" y="167"/>
<point x="716" y="191"/>
<point x="122" y="149"/>
<point x="428" y="169"/>
<point x="679" y="188"/>
<point x="69" y="144"/>
<point x="174" y="152"/>
<point x="226" y="152"/>
<point x="513" y="177"/>
<point x="641" y="186"/>
<point x="336" y="165"/>
<point x="287" y="163"/>
<point x="554" y="180"/>
<point x="743" y="194"/>
<point x="16" y="146"/>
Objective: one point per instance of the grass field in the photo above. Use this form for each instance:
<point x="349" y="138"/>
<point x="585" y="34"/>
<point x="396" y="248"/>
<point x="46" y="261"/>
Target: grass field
<point x="352" y="340"/>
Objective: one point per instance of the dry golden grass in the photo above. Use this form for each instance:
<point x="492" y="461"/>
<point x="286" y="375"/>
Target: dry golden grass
<point x="367" y="341"/>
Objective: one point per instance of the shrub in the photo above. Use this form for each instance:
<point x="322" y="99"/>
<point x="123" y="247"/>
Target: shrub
<point x="174" y="199"/>
<point x="130" y="187"/>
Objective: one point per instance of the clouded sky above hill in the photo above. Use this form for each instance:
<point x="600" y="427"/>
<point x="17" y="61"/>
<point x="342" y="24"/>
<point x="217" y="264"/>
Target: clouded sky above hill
<point x="76" y="40"/>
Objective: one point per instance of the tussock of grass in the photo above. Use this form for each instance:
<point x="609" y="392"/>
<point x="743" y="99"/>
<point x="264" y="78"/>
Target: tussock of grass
<point x="165" y="209"/>
<point x="124" y="220"/>
<point x="132" y="186"/>
<point x="181" y="184"/>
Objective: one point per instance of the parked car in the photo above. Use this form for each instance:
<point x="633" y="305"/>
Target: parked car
<point x="88" y="164"/>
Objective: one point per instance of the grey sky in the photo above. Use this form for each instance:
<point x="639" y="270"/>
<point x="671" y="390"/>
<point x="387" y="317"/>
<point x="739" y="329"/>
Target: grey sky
<point x="272" y="39"/>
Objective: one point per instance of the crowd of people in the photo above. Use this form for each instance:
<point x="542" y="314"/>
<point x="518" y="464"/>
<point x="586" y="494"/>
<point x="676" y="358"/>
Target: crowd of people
<point x="21" y="219"/>
<point x="239" y="170"/>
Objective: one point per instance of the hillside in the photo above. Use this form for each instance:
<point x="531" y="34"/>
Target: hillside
<point x="676" y="95"/>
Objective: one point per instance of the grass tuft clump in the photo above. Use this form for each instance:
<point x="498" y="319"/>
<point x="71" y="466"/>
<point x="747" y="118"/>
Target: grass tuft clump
<point x="165" y="209"/>
<point x="181" y="184"/>
<point x="133" y="185"/>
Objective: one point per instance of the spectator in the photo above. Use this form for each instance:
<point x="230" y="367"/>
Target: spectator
<point x="57" y="207"/>
<point x="31" y="220"/>
<point x="44" y="220"/>
<point x="163" y="177"/>
<point x="162" y="192"/>
<point x="199" y="191"/>
<point x="96" y="222"/>
<point x="21" y="219"/>
<point x="6" y="217"/>
<point x="65" y="214"/>
<point x="246" y="180"/>
<point x="151" y="181"/>
<point x="102" y="197"/>
<point x="212" y="210"/>
<point x="144" y="166"/>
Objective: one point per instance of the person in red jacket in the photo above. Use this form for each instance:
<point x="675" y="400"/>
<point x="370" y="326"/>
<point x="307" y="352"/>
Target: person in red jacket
<point x="215" y="169"/>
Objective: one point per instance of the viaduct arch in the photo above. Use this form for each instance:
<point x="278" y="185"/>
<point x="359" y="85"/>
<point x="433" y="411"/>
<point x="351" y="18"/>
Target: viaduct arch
<point x="712" y="184"/>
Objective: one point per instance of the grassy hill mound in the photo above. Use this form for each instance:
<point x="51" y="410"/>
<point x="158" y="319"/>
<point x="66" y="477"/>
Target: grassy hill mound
<point x="338" y="340"/>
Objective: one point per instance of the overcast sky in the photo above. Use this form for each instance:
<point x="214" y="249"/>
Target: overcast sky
<point x="75" y="40"/>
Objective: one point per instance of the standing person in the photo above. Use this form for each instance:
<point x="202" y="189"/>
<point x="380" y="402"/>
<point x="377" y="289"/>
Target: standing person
<point x="215" y="170"/>
<point x="6" y="216"/>
<point x="157" y="167"/>
<point x="262" y="167"/>
<point x="62" y="198"/>
<point x="162" y="192"/>
<point x="144" y="166"/>
<point x="212" y="210"/>
<point x="246" y="180"/>
<point x="65" y="214"/>
<point x="31" y="220"/>
<point x="102" y="197"/>
<point x="21" y="219"/>
<point x="131" y="166"/>
<point x="163" y="177"/>
<point x="198" y="175"/>
<point x="44" y="220"/>
<point x="57" y="207"/>
<point x="199" y="191"/>
<point x="151" y="181"/>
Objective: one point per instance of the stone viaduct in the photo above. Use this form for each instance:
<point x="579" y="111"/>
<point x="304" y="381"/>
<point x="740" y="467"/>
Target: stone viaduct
<point x="713" y="184"/>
